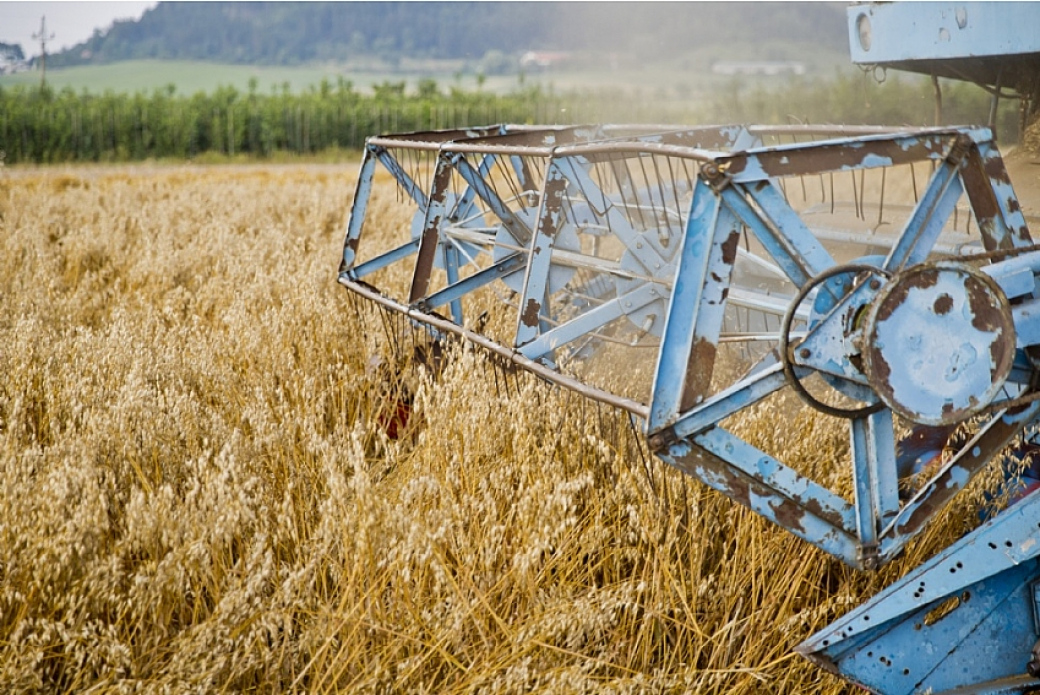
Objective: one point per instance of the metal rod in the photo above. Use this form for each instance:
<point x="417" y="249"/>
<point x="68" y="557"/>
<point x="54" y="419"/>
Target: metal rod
<point x="636" y="408"/>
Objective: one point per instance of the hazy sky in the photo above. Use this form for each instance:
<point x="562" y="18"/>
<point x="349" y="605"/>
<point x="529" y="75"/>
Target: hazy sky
<point x="70" y="22"/>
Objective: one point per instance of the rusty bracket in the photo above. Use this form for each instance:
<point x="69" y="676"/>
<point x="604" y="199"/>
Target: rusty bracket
<point x="662" y="439"/>
<point x="869" y="556"/>
<point x="715" y="175"/>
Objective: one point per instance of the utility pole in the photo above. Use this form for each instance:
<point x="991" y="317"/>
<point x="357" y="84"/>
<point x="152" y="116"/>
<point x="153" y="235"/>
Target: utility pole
<point x="43" y="38"/>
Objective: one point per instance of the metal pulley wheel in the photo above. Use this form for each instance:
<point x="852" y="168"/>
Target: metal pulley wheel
<point x="831" y="287"/>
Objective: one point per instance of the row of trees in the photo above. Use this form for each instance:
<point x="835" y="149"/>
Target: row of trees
<point x="43" y="125"/>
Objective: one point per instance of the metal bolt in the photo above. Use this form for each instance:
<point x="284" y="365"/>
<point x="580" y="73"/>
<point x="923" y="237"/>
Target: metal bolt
<point x="875" y="284"/>
<point x="804" y="353"/>
<point x="639" y="244"/>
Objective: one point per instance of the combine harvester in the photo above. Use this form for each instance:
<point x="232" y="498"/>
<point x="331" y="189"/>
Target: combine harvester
<point x="687" y="276"/>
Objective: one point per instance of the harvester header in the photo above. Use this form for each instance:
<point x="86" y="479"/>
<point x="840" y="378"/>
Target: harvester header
<point x="691" y="276"/>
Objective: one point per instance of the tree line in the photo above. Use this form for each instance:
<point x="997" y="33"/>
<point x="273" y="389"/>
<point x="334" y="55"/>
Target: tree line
<point x="43" y="125"/>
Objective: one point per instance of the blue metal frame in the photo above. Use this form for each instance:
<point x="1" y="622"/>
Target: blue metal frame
<point x="573" y="190"/>
<point x="882" y="527"/>
<point x="691" y="268"/>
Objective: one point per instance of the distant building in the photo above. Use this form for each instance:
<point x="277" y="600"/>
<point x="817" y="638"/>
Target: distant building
<point x="762" y="67"/>
<point x="543" y="60"/>
<point x="12" y="59"/>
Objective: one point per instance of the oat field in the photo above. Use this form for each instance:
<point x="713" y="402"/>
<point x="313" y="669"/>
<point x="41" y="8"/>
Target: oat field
<point x="196" y="493"/>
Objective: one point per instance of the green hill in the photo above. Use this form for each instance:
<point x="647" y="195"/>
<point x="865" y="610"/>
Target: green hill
<point x="279" y="33"/>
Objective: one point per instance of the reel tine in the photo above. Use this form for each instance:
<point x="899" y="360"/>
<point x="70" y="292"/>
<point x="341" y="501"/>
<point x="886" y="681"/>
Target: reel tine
<point x="855" y="194"/>
<point x="634" y="191"/>
<point x="862" y="197"/>
<point x="384" y="321"/>
<point x="831" y="176"/>
<point x="881" y="201"/>
<point x="510" y="176"/>
<point x="500" y="370"/>
<point x="675" y="194"/>
<point x="585" y="429"/>
<point x="645" y="464"/>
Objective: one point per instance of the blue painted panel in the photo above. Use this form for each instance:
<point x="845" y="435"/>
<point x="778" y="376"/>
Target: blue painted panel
<point x="536" y="280"/>
<point x="403" y="179"/>
<point x="759" y="465"/>
<point x="896" y="31"/>
<point x="516" y="226"/>
<point x="574" y="171"/>
<point x="509" y="264"/>
<point x="732" y="400"/>
<point x="1007" y="226"/>
<point x="467" y="204"/>
<point x="758" y="491"/>
<point x="898" y="642"/>
<point x="875" y="481"/>
<point x="794" y="248"/>
<point x="926" y="223"/>
<point x="435" y="212"/>
<point x="451" y="268"/>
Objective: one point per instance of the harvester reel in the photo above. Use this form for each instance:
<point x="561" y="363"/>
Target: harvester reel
<point x="649" y="318"/>
<point x="609" y="240"/>
<point x="691" y="241"/>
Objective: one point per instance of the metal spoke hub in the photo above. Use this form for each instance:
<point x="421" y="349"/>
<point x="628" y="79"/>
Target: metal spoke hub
<point x="940" y="342"/>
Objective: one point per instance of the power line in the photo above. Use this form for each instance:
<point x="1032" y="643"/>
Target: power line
<point x="43" y="38"/>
